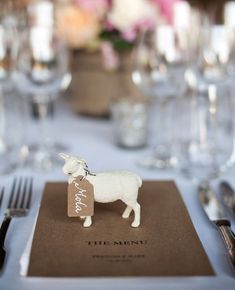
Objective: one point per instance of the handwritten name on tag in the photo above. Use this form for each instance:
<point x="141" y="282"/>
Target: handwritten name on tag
<point x="80" y="198"/>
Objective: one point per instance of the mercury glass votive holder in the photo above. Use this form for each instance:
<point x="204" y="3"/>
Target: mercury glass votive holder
<point x="130" y="123"/>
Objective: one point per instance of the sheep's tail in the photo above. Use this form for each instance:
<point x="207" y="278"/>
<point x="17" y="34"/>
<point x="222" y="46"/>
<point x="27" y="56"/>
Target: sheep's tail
<point x="139" y="180"/>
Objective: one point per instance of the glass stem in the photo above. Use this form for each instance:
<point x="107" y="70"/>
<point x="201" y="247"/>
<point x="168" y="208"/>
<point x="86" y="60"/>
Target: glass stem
<point x="160" y="124"/>
<point x="3" y="143"/>
<point x="43" y="109"/>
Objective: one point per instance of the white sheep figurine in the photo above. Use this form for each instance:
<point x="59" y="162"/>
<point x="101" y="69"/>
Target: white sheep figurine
<point x="108" y="186"/>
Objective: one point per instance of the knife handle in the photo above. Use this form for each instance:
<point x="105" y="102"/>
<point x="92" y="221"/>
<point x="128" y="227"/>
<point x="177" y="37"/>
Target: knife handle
<point x="228" y="235"/>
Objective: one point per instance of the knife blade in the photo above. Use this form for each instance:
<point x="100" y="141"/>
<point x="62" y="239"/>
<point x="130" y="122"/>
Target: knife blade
<point x="228" y="195"/>
<point x="217" y="216"/>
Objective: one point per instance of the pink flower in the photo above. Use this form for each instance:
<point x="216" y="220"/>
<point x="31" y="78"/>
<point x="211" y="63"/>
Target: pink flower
<point x="130" y="34"/>
<point x="110" y="57"/>
<point x="166" y="8"/>
<point x="146" y="24"/>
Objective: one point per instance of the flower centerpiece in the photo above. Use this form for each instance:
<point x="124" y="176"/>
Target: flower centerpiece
<point x="109" y="29"/>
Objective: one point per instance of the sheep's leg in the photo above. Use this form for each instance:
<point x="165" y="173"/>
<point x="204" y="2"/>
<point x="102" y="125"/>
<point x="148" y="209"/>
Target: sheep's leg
<point x="136" y="222"/>
<point x="133" y="205"/>
<point x="87" y="223"/>
<point x="127" y="212"/>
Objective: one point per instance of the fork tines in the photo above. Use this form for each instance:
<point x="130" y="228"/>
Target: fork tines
<point x="1" y="196"/>
<point x="21" y="193"/>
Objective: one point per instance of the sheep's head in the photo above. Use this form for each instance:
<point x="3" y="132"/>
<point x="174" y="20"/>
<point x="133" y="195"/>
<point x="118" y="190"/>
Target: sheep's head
<point x="74" y="165"/>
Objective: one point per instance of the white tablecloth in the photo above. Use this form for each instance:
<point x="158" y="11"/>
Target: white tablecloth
<point x="93" y="140"/>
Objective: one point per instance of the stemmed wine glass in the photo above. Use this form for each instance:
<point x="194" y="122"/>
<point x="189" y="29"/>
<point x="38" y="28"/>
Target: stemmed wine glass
<point x="161" y="60"/>
<point x="42" y="74"/>
<point x="214" y="53"/>
<point x="206" y="138"/>
<point x="11" y="140"/>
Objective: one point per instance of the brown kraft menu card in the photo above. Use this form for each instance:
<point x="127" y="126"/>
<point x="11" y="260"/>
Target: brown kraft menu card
<point x="165" y="244"/>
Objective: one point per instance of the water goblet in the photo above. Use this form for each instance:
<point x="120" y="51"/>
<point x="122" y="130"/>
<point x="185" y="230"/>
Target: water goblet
<point x="42" y="74"/>
<point x="206" y="138"/>
<point x="161" y="61"/>
<point x="11" y="140"/>
<point x="214" y="54"/>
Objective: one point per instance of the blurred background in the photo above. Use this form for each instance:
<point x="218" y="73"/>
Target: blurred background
<point x="159" y="73"/>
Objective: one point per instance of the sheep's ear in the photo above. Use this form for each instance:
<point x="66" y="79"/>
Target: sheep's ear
<point x="64" y="156"/>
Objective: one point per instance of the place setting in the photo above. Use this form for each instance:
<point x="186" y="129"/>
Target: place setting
<point x="102" y="232"/>
<point x="112" y="245"/>
<point x="18" y="206"/>
<point x="117" y="138"/>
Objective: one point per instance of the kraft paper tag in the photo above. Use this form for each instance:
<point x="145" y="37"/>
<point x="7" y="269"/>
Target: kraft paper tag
<point x="80" y="198"/>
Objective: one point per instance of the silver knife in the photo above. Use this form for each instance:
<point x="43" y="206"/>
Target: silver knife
<point x="215" y="212"/>
<point x="228" y="195"/>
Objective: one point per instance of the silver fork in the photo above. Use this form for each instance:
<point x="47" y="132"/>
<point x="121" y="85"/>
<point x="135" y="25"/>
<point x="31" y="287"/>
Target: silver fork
<point x="18" y="206"/>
